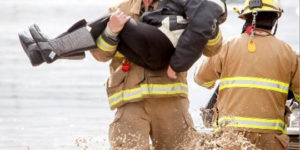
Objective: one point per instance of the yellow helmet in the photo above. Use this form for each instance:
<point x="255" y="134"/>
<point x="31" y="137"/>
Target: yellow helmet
<point x="251" y="6"/>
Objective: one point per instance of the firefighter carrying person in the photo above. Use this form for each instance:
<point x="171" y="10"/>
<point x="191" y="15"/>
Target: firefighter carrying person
<point x="148" y="103"/>
<point x="256" y="70"/>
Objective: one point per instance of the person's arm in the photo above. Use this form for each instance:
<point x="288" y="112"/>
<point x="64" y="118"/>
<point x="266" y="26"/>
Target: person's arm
<point x="202" y="26"/>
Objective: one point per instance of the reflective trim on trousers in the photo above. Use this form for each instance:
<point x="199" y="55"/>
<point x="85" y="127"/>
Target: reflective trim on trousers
<point x="254" y="123"/>
<point x="148" y="89"/>
<point x="254" y="82"/>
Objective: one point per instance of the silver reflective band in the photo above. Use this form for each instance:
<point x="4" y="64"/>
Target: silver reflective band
<point x="253" y="82"/>
<point x="145" y="89"/>
<point x="258" y="124"/>
<point x="250" y="123"/>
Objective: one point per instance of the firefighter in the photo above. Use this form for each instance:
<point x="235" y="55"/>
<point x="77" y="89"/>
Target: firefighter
<point x="148" y="103"/>
<point x="256" y="70"/>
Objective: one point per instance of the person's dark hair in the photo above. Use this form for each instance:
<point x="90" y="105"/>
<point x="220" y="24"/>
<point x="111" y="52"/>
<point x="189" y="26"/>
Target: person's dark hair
<point x="264" y="20"/>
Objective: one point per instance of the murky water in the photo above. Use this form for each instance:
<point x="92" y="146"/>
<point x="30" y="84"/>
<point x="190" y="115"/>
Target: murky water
<point x="54" y="106"/>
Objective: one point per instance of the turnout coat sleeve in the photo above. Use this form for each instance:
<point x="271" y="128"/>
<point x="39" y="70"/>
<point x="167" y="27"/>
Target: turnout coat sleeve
<point x="210" y="70"/>
<point x="295" y="80"/>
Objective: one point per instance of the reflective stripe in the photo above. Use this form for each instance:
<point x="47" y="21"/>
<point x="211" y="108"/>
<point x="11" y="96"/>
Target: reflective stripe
<point x="216" y="40"/>
<point x="103" y="45"/>
<point x="119" y="55"/>
<point x="148" y="89"/>
<point x="296" y="97"/>
<point x="254" y="123"/>
<point x="253" y="82"/>
<point x="208" y="84"/>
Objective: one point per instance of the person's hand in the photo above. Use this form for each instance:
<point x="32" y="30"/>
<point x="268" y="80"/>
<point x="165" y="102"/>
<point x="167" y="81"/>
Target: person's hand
<point x="171" y="73"/>
<point x="117" y="21"/>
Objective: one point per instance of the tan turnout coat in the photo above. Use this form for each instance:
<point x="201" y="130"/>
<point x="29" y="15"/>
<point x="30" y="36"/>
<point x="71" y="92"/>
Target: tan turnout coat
<point x="253" y="85"/>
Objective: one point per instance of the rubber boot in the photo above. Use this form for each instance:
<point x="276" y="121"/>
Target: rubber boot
<point x="31" y="49"/>
<point x="67" y="44"/>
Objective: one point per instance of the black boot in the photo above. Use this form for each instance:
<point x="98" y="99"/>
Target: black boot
<point x="67" y="44"/>
<point x="31" y="49"/>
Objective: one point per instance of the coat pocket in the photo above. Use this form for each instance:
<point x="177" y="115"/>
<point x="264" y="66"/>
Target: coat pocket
<point x="116" y="78"/>
<point x="135" y="77"/>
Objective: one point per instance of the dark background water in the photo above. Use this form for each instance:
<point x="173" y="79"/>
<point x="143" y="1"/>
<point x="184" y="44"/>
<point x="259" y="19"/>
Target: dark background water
<point x="50" y="106"/>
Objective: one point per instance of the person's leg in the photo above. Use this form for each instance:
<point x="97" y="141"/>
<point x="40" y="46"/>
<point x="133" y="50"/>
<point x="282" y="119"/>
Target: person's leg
<point x="145" y="45"/>
<point x="71" y="42"/>
<point x="130" y="129"/>
<point x="38" y="55"/>
<point x="171" y="124"/>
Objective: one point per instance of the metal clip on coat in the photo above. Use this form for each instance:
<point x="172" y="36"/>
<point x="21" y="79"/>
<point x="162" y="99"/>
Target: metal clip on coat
<point x="251" y="44"/>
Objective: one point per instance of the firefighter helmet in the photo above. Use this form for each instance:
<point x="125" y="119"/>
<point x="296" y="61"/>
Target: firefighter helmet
<point x="251" y="6"/>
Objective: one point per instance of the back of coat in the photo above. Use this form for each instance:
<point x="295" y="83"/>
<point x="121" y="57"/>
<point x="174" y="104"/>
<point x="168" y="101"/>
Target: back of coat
<point x="253" y="85"/>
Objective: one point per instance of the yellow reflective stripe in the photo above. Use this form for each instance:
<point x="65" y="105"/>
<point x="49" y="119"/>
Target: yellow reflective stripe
<point x="149" y="85"/>
<point x="119" y="55"/>
<point x="250" y="119"/>
<point x="255" y="123"/>
<point x="208" y="84"/>
<point x="253" y="82"/>
<point x="252" y="127"/>
<point x="253" y="86"/>
<point x="148" y="89"/>
<point x="296" y="97"/>
<point x="216" y="40"/>
<point x="255" y="79"/>
<point x="102" y="44"/>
